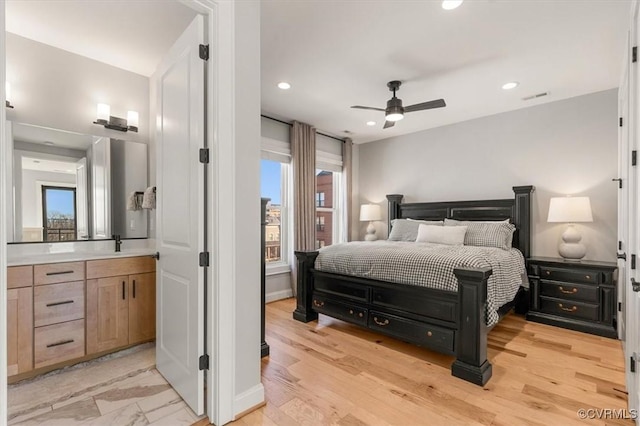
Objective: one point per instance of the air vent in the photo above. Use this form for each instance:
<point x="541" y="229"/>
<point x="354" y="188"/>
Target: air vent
<point x="539" y="95"/>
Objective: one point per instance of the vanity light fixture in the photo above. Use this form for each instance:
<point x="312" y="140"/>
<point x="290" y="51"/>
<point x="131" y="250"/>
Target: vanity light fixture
<point x="104" y="118"/>
<point x="7" y="95"/>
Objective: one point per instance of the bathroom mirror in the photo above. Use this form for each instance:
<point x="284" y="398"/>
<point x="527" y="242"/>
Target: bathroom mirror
<point x="67" y="186"/>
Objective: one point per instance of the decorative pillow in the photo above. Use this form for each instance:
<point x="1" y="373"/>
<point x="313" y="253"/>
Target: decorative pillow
<point x="407" y="230"/>
<point x="450" y="235"/>
<point x="486" y="234"/>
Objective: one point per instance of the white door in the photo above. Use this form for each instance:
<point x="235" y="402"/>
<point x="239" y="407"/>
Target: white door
<point x="101" y="185"/>
<point x="632" y="323"/>
<point x="180" y="215"/>
<point x="82" y="218"/>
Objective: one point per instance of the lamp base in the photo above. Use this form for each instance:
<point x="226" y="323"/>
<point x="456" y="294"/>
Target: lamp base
<point x="571" y="248"/>
<point x="371" y="233"/>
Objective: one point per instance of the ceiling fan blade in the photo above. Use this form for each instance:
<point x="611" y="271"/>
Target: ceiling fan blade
<point x="438" y="103"/>
<point x="389" y="124"/>
<point x="364" y="107"/>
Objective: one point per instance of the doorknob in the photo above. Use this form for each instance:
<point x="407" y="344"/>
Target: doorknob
<point x="619" y="182"/>
<point x="622" y="256"/>
<point x="156" y="256"/>
<point x="635" y="286"/>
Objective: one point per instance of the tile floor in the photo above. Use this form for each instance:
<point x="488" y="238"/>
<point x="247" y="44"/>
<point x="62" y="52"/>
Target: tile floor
<point x="122" y="389"/>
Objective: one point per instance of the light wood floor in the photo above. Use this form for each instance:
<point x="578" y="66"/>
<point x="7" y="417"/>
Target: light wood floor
<point x="329" y="372"/>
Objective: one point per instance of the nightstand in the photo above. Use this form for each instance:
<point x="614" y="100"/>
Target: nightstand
<point x="576" y="295"/>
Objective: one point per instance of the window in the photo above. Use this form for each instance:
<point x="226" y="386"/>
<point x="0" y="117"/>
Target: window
<point x="319" y="199"/>
<point x="274" y="183"/>
<point x="328" y="215"/>
<point x="58" y="213"/>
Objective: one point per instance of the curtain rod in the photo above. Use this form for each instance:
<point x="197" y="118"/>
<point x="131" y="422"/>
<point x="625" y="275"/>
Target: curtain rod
<point x="291" y="124"/>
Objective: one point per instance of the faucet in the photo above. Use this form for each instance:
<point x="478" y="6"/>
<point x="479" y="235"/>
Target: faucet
<point x="118" y="242"/>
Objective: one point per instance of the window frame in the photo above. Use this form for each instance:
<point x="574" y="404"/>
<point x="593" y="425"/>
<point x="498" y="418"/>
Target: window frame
<point x="337" y="211"/>
<point x="283" y="265"/>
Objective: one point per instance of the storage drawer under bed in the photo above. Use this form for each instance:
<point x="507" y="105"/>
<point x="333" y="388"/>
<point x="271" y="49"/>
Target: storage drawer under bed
<point x="339" y="309"/>
<point x="427" y="335"/>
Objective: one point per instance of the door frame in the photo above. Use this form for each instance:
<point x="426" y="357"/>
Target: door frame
<point x="220" y="90"/>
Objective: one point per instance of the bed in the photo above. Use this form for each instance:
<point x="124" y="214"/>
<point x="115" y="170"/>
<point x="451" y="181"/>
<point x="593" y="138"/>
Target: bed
<point x="450" y="322"/>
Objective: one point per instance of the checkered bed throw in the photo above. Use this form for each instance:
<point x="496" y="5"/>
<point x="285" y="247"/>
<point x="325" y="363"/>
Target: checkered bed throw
<point x="427" y="265"/>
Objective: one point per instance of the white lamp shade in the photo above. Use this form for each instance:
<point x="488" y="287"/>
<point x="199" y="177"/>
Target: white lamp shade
<point x="570" y="210"/>
<point x="132" y="118"/>
<point x="370" y="212"/>
<point x="104" y="112"/>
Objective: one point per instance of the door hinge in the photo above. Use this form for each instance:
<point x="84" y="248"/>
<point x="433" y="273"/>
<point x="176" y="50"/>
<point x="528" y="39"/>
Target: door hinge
<point x="634" y="54"/>
<point x="203" y="362"/>
<point x="632" y="363"/>
<point x="620" y="121"/>
<point x="633" y="261"/>
<point x="204" y="52"/>
<point x="204" y="258"/>
<point x="619" y="245"/>
<point x="619" y="306"/>
<point x="204" y="155"/>
<point x="634" y="157"/>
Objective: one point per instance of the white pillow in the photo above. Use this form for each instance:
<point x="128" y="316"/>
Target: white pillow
<point x="450" y="235"/>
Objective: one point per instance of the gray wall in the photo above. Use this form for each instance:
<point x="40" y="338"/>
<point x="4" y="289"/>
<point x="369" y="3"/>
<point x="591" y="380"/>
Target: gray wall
<point x="564" y="147"/>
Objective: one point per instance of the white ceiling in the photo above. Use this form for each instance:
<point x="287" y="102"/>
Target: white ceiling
<point x="52" y="137"/>
<point x="128" y="34"/>
<point x="45" y="165"/>
<point x="341" y="53"/>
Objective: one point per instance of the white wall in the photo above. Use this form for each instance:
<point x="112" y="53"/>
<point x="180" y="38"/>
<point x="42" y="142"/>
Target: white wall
<point x="246" y="205"/>
<point x="564" y="147"/>
<point x="32" y="181"/>
<point x="54" y="88"/>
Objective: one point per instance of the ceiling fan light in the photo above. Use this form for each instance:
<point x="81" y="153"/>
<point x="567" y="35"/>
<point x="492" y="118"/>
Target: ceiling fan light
<point x="394" y="116"/>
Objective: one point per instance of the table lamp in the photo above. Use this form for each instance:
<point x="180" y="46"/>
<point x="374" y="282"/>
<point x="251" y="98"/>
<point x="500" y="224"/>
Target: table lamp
<point x="370" y="212"/>
<point x="570" y="210"/>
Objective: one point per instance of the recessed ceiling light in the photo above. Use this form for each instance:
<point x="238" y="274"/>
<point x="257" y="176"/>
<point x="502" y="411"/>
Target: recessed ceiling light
<point x="36" y="161"/>
<point x="510" y="85"/>
<point x="371" y="123"/>
<point x="284" y="85"/>
<point x="451" y="4"/>
<point x="48" y="143"/>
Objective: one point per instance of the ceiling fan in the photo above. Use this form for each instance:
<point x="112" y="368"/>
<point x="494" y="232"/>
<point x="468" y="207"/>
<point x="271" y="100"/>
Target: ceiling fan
<point x="395" y="111"/>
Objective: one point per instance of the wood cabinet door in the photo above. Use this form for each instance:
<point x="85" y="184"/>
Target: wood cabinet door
<point x="142" y="307"/>
<point x="107" y="313"/>
<point x="19" y="330"/>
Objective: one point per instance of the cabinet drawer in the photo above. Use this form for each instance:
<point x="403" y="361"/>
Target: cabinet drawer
<point x="573" y="276"/>
<point x="588" y="293"/>
<point x="431" y="336"/>
<point x="571" y="309"/>
<point x="57" y="303"/>
<point x="58" y="273"/>
<point x="122" y="266"/>
<point x="344" y="311"/>
<point x="58" y="343"/>
<point x="19" y="276"/>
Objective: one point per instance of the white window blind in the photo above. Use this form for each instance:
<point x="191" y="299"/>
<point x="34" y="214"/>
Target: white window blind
<point x="328" y="154"/>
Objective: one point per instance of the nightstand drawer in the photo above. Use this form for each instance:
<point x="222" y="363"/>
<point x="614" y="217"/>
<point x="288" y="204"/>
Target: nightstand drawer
<point x="588" y="293"/>
<point x="572" y="309"/>
<point x="570" y="275"/>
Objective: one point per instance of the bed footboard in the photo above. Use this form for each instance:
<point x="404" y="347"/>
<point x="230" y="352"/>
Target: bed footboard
<point x="471" y="362"/>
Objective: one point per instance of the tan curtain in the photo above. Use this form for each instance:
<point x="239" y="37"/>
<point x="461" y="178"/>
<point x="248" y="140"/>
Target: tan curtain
<point x="303" y="154"/>
<point x="347" y="155"/>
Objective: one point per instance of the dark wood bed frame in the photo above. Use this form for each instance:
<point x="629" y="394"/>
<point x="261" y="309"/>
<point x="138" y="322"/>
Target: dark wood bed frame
<point x="449" y="322"/>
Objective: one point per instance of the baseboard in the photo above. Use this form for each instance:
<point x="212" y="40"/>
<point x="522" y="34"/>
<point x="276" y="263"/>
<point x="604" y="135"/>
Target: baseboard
<point x="278" y="295"/>
<point x="248" y="401"/>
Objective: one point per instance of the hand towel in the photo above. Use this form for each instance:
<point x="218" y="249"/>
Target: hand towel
<point x="133" y="202"/>
<point x="149" y="198"/>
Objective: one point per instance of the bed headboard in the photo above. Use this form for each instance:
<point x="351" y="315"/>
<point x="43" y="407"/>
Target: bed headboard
<point x="517" y="209"/>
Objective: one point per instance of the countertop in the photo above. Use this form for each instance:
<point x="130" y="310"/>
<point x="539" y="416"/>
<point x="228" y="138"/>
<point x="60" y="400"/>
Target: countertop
<point x="75" y="256"/>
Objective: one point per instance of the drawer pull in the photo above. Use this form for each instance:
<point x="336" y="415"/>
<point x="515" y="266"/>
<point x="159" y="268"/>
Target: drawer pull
<point x="382" y="323"/>
<point x="572" y="291"/>
<point x="60" y="273"/>
<point x="318" y="304"/>
<point x="360" y="314"/>
<point x="588" y="277"/>
<point x="66" y="302"/>
<point x="548" y="272"/>
<point x="429" y="334"/>
<point x="64" y="342"/>
<point x="350" y="311"/>
<point x="572" y="309"/>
